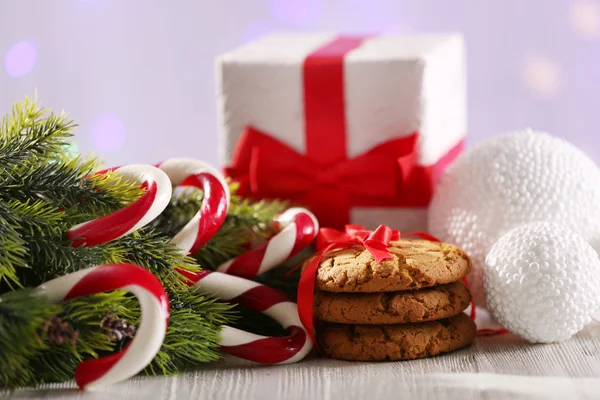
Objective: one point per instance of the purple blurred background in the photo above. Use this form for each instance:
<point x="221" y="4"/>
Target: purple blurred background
<point x="138" y="76"/>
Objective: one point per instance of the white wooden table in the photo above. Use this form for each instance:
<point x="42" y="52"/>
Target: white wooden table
<point x="502" y="367"/>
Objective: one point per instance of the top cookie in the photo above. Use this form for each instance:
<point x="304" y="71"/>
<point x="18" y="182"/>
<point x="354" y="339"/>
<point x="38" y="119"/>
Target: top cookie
<point x="416" y="264"/>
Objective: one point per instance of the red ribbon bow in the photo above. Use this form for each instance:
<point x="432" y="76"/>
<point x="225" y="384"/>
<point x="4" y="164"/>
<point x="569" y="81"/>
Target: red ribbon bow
<point x="268" y="168"/>
<point x="376" y="242"/>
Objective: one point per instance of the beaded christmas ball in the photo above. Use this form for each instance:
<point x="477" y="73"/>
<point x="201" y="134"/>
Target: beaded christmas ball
<point x="511" y="180"/>
<point x="542" y="282"/>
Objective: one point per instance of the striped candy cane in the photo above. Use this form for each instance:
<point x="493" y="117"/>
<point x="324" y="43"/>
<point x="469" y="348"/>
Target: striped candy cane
<point x="249" y="346"/>
<point x="209" y="219"/>
<point x="212" y="213"/>
<point x="136" y="215"/>
<point x="154" y="304"/>
<point x="300" y="228"/>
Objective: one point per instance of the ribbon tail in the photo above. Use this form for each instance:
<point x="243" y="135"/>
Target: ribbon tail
<point x="422" y="235"/>
<point x="306" y="290"/>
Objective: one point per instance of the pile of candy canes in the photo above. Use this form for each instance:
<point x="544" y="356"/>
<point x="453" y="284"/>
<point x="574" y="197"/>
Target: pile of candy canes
<point x="230" y="282"/>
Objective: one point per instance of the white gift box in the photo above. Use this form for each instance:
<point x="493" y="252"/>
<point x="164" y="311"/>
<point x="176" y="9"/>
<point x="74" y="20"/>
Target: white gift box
<point x="324" y="102"/>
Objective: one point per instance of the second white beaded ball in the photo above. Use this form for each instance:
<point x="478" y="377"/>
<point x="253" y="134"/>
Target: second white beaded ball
<point x="542" y="282"/>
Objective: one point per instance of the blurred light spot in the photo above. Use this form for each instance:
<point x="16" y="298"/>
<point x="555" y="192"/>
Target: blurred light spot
<point x="255" y="30"/>
<point x="20" y="59"/>
<point x="108" y="133"/>
<point x="71" y="150"/>
<point x="585" y="19"/>
<point x="542" y="76"/>
<point x="296" y="12"/>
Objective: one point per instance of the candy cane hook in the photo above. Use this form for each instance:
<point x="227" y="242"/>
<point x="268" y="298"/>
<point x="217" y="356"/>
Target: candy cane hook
<point x="154" y="304"/>
<point x="300" y="229"/>
<point x="249" y="346"/>
<point x="156" y="197"/>
<point x="215" y="204"/>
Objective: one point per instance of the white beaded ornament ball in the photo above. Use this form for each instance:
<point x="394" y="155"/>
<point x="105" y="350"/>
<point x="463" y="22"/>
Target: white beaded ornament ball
<point x="542" y="282"/>
<point x="511" y="180"/>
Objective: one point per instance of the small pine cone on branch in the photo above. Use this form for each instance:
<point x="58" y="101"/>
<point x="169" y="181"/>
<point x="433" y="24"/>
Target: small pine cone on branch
<point x="118" y="329"/>
<point x="58" y="332"/>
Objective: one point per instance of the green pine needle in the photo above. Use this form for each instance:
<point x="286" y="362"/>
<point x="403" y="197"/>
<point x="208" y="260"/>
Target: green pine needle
<point x="22" y="313"/>
<point x="152" y="251"/>
<point x="12" y="254"/>
<point x="193" y="335"/>
<point x="70" y="184"/>
<point x="84" y="315"/>
<point x="32" y="134"/>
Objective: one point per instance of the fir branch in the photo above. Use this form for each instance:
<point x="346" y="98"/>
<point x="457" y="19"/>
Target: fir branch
<point x="54" y="255"/>
<point x="70" y="184"/>
<point x="12" y="253"/>
<point x="22" y="313"/>
<point x="84" y="316"/>
<point x="193" y="334"/>
<point x="31" y="134"/>
<point x="152" y="251"/>
<point x="25" y="222"/>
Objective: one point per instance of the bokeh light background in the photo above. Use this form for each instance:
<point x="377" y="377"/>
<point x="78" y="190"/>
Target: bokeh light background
<point x="138" y="75"/>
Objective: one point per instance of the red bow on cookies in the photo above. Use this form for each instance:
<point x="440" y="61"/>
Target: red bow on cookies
<point x="376" y="242"/>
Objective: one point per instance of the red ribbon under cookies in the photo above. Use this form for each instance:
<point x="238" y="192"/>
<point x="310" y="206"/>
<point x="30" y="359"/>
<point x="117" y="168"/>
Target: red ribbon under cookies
<point x="376" y="242"/>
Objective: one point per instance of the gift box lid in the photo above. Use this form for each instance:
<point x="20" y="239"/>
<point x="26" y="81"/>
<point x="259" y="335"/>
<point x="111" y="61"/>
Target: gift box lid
<point x="393" y="86"/>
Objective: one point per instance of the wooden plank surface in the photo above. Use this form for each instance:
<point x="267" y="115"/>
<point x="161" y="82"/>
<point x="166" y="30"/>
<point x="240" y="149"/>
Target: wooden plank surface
<point x="502" y="367"/>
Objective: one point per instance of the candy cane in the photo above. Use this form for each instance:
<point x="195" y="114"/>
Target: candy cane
<point x="154" y="304"/>
<point x="300" y="229"/>
<point x="215" y="204"/>
<point x="249" y="346"/>
<point x="136" y="215"/>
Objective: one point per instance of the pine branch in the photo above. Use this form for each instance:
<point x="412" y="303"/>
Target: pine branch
<point x="25" y="223"/>
<point x="83" y="335"/>
<point x="193" y="335"/>
<point x="42" y="194"/>
<point x="22" y="313"/>
<point x="53" y="339"/>
<point x="53" y="256"/>
<point x="152" y="251"/>
<point x="31" y="134"/>
<point x="12" y="253"/>
<point x="70" y="184"/>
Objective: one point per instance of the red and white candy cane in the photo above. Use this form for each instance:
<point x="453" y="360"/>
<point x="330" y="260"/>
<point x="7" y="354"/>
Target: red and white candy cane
<point x="154" y="304"/>
<point x="156" y="197"/>
<point x="249" y="346"/>
<point x="215" y="204"/>
<point x="300" y="228"/>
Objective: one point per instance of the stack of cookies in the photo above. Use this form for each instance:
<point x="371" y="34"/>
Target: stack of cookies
<point x="403" y="308"/>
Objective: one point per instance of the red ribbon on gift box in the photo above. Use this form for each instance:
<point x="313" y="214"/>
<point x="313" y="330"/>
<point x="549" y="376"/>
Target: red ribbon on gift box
<point x="325" y="179"/>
